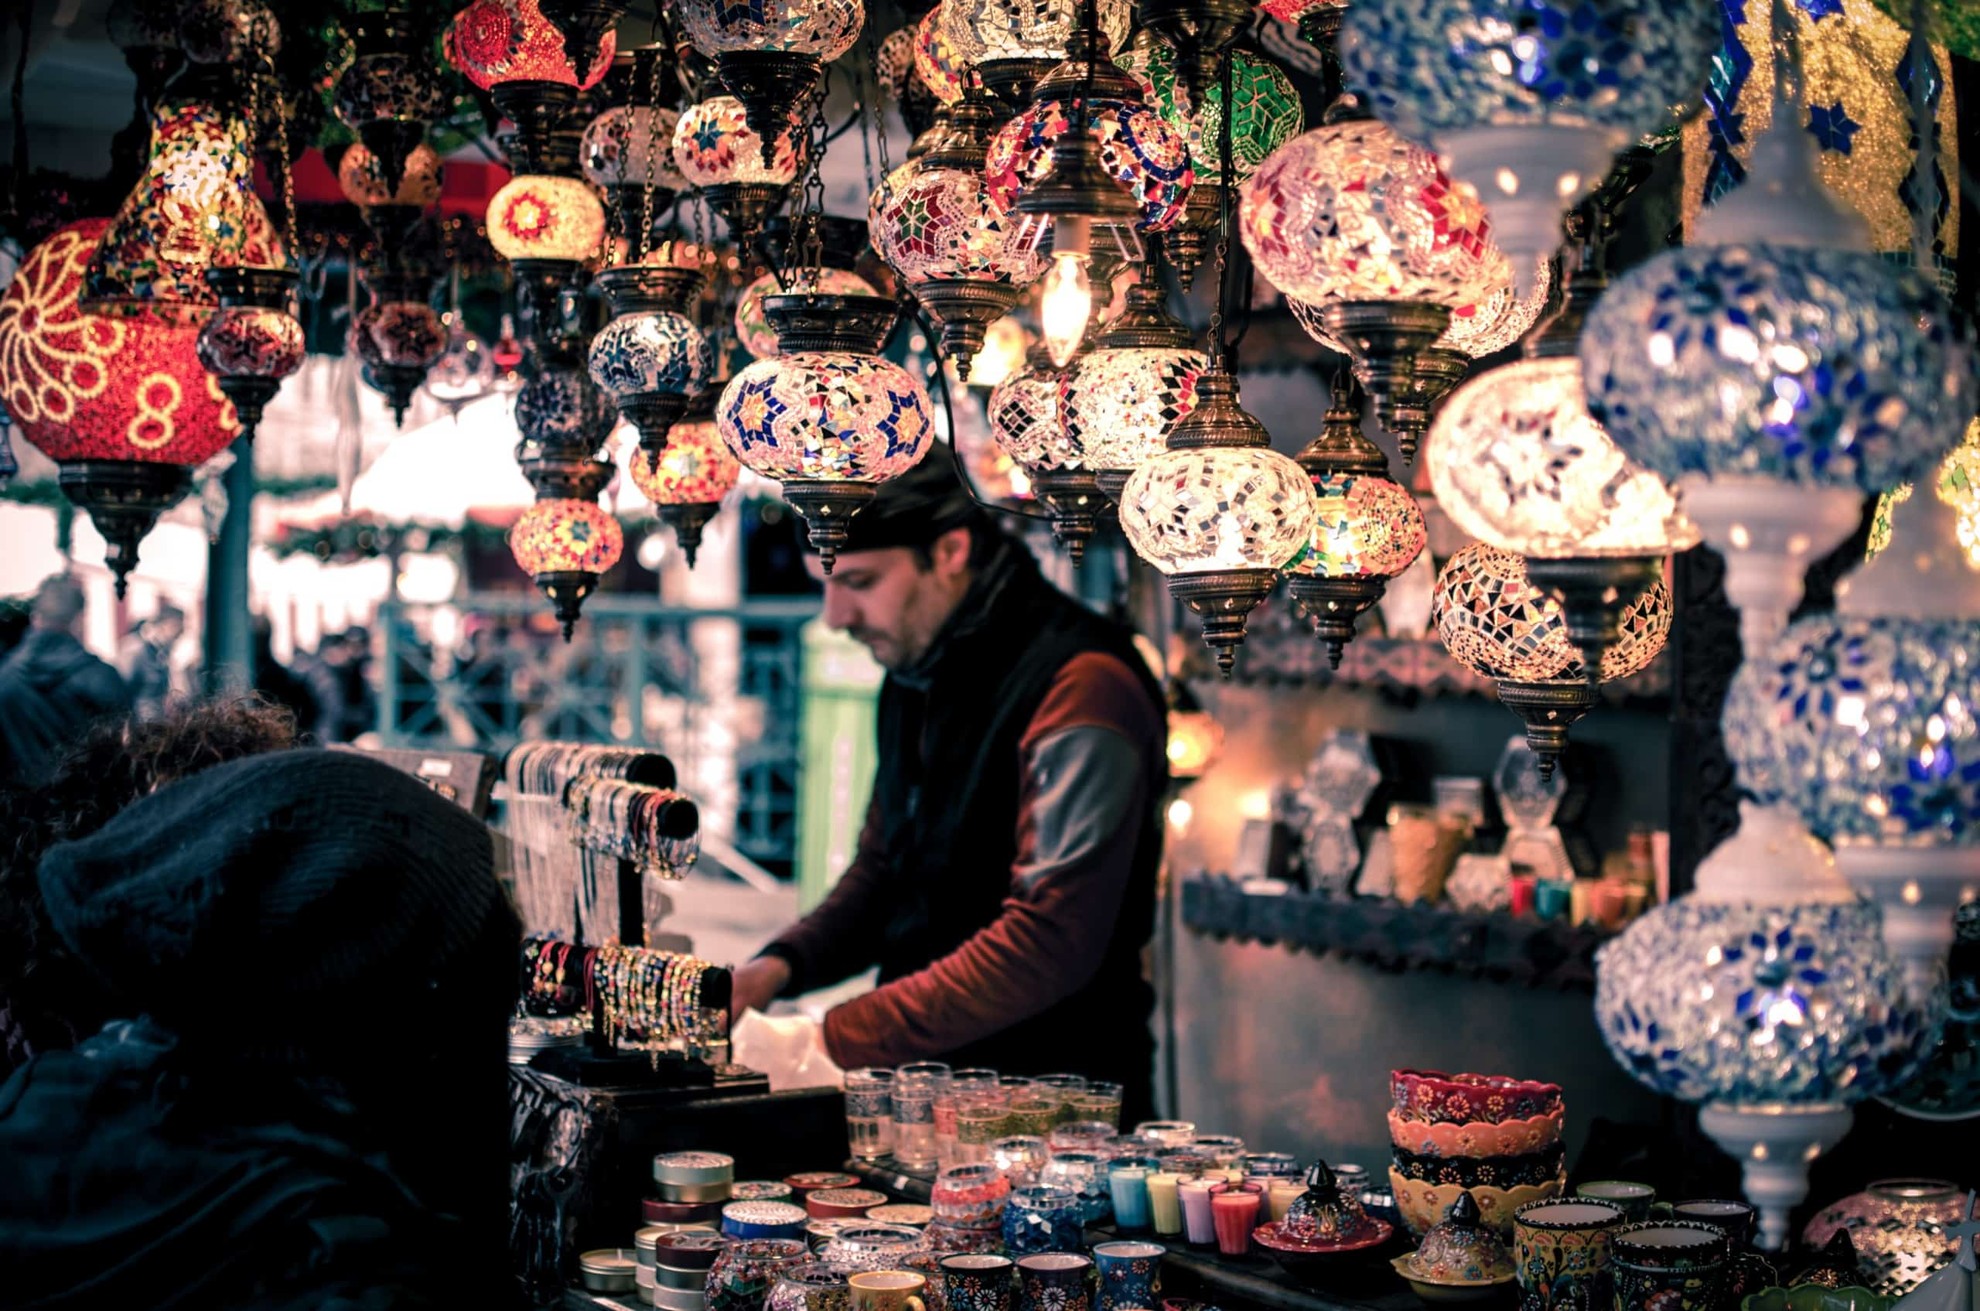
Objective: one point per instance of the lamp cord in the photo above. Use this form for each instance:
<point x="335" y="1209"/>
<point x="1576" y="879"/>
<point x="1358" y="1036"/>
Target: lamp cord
<point x="17" y="99"/>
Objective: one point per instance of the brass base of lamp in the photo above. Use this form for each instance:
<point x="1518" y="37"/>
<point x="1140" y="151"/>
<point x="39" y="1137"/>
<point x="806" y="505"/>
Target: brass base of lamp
<point x="1200" y="31"/>
<point x="770" y="84"/>
<point x="397" y="382"/>
<point x="584" y="24"/>
<point x="829" y="321"/>
<point x="1113" y="482"/>
<point x="1383" y="339"/>
<point x="562" y="472"/>
<point x="391" y="142"/>
<point x="250" y="397"/>
<point x="1435" y="374"/>
<point x="1320" y="28"/>
<point x="542" y="283"/>
<point x="1548" y="709"/>
<point x="1224" y="599"/>
<point x="123" y="498"/>
<point x="1594" y="593"/>
<point x="540" y="110"/>
<point x="1187" y="244"/>
<point x="1333" y="605"/>
<point x="1075" y="501"/>
<point x="827" y="506"/>
<point x="964" y="309"/>
<point x="653" y="413"/>
<point x="687" y="520"/>
<point x="1010" y="81"/>
<point x="637" y="288"/>
<point x="567" y="590"/>
<point x="744" y="206"/>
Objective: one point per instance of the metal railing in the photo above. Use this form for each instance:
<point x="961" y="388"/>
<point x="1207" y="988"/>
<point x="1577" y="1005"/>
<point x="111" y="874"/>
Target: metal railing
<point x="479" y="674"/>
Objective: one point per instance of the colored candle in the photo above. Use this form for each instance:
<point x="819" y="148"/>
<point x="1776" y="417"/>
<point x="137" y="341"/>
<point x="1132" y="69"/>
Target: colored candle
<point x="1280" y="1197"/>
<point x="1234" y="1215"/>
<point x="1164" y="1202"/>
<point x="1198" y="1225"/>
<point x="1129" y="1185"/>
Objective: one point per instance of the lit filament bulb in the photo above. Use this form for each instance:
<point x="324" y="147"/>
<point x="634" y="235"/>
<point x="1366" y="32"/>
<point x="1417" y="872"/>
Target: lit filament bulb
<point x="1066" y="306"/>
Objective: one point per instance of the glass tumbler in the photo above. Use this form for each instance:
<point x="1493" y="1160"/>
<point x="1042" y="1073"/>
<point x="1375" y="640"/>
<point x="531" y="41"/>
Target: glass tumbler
<point x="915" y="1089"/>
<point x="870" y="1113"/>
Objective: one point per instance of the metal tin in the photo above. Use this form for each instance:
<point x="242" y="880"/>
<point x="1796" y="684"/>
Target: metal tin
<point x="760" y="1190"/>
<point x="763" y="1220"/>
<point x="663" y="1211"/>
<point x="692" y="1168"/>
<point x="667" y="1276"/>
<point x="842" y="1203"/>
<point x="643" y="1284"/>
<point x="689" y="1249"/>
<point x="678" y="1299"/>
<point x="814" y="1180"/>
<point x="902" y="1213"/>
<point x="694" y="1193"/>
<point x="609" y="1269"/>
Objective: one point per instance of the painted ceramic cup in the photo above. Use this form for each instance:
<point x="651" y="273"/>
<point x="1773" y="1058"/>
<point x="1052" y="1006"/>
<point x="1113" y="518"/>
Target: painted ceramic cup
<point x="1561" y="1253"/>
<point x="1635" y="1199"/>
<point x="809" y="1286"/>
<point x="1667" y="1265"/>
<point x="888" y="1290"/>
<point x="1055" y="1281"/>
<point x="978" y="1283"/>
<point x="745" y="1272"/>
<point x="1129" y="1274"/>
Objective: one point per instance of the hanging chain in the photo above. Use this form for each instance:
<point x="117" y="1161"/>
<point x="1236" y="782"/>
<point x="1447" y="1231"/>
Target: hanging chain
<point x="879" y="113"/>
<point x="872" y="118"/>
<point x="652" y="148"/>
<point x="1925" y="125"/>
<point x="1219" y="347"/>
<point x="807" y="246"/>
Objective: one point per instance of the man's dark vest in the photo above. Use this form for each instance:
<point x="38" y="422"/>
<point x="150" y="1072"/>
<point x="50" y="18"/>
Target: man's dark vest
<point x="948" y="785"/>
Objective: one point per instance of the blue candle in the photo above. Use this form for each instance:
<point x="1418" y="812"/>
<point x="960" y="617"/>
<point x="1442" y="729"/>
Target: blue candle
<point x="1129" y="1186"/>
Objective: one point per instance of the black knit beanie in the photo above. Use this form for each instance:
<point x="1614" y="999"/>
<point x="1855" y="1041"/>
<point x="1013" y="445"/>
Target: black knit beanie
<point x="309" y="898"/>
<point x="915" y="508"/>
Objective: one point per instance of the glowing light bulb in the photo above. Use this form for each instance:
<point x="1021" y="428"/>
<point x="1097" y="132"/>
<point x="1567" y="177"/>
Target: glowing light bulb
<point x="1066" y="306"/>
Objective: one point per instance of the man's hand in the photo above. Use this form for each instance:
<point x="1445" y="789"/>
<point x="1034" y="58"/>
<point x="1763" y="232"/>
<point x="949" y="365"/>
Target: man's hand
<point x="756" y="985"/>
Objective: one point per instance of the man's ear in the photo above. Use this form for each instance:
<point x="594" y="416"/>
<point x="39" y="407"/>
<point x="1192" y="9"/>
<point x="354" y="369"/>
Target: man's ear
<point x="950" y="552"/>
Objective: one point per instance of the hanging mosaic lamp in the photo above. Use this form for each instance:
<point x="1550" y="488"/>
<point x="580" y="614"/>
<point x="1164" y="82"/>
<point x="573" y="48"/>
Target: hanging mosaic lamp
<point x="1198" y="33"/>
<point x="362" y="180"/>
<point x="1529" y="100"/>
<point x="1366" y="527"/>
<point x="566" y="545"/>
<point x="1958" y="486"/>
<point x="628" y="150"/>
<point x="585" y="25"/>
<point x="237" y="32"/>
<point x="934" y="222"/>
<point x="650" y="358"/>
<point x="1862" y="721"/>
<point x="1516" y="461"/>
<point x="391" y="91"/>
<point x="253" y="340"/>
<point x="1027" y="422"/>
<point x="687" y="481"/>
<point x="1013" y="43"/>
<point x="1777" y="371"/>
<point x="1365" y="226"/>
<point x="194" y="209"/>
<point x="1121" y="401"/>
<point x="547" y="226"/>
<point x="398" y="337"/>
<point x="829" y="418"/>
<point x="1764" y="996"/>
<point x="936" y="62"/>
<point x="1268" y="115"/>
<point x="770" y="53"/>
<point x="717" y="151"/>
<point x="1219" y="512"/>
<point x="122" y="404"/>
<point x="465" y="371"/>
<point x="510" y="50"/>
<point x="1498" y="623"/>
<point x="1318" y="21"/>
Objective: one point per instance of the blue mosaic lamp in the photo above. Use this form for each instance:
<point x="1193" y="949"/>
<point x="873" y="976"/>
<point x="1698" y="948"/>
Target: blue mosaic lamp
<point x="650" y="358"/>
<point x="1529" y="100"/>
<point x="1777" y="369"/>
<point x="1767" y="997"/>
<point x="1864" y="722"/>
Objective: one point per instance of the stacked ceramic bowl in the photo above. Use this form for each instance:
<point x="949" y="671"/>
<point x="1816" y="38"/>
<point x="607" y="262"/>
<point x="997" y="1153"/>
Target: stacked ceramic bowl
<point x="1495" y="1137"/>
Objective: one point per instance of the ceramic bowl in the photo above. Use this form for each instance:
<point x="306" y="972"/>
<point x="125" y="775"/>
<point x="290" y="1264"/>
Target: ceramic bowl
<point x="1481" y="1171"/>
<point x="1308" y="1261"/>
<point x="1813" y="1297"/>
<point x="1424" y="1204"/>
<point x="1437" y="1292"/>
<point x="1437" y="1097"/>
<point x="1475" y="1137"/>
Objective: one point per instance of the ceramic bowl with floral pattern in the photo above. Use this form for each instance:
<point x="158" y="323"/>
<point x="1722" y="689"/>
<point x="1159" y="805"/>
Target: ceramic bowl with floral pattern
<point x="1423" y="1204"/>
<point x="1475" y="1138"/>
<point x="1435" y="1096"/>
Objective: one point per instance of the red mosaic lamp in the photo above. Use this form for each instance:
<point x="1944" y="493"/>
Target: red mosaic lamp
<point x="566" y="545"/>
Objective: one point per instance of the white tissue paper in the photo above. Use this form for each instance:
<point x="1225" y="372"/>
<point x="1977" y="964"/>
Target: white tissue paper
<point x="789" y="1050"/>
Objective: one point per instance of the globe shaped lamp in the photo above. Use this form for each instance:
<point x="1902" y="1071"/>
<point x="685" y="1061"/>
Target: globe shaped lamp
<point x="1120" y="402"/>
<point x="688" y="479"/>
<point x="122" y="404"/>
<point x="399" y="339"/>
<point x="829" y="417"/>
<point x="253" y="340"/>
<point x="936" y="63"/>
<point x="465" y="371"/>
<point x="1012" y="44"/>
<point x="1778" y="372"/>
<point x="1498" y="623"/>
<point x="193" y="209"/>
<point x="1766" y="996"/>
<point x="512" y="50"/>
<point x="933" y="220"/>
<point x="1863" y="722"/>
<point x="770" y="54"/>
<point x="1530" y="101"/>
<point x="1198" y="34"/>
<point x="362" y="179"/>
<point x="1196" y="739"/>
<point x="1027" y="421"/>
<point x="1365" y="226"/>
<point x="391" y="90"/>
<point x="566" y="545"/>
<point x="1219" y="512"/>
<point x="650" y="358"/>
<point x="539" y="217"/>
<point x="629" y="151"/>
<point x="717" y="150"/>
<point x="1366" y="527"/>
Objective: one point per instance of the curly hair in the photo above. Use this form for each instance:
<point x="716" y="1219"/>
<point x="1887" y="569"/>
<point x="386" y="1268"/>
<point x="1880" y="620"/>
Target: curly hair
<point x="47" y="999"/>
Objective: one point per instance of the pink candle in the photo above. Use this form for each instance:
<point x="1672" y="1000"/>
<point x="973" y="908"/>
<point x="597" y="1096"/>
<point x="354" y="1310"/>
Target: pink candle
<point x="1235" y="1215"/>
<point x="1198" y="1225"/>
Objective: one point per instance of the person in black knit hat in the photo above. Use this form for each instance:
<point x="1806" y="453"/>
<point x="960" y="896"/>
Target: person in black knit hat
<point x="308" y="1105"/>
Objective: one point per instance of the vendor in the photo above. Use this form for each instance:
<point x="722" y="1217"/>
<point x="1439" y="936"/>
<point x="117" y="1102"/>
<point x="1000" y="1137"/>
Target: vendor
<point x="1005" y="878"/>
